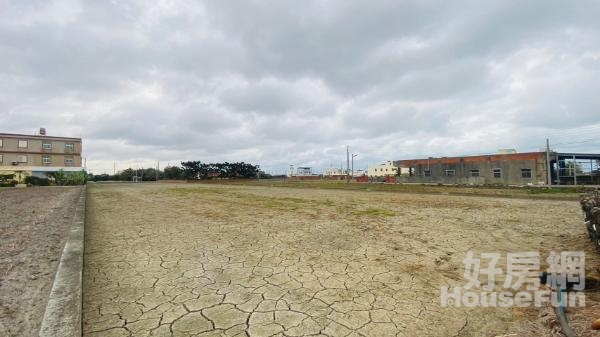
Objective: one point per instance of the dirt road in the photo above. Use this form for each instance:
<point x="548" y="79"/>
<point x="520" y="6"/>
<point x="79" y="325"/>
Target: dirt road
<point x="181" y="260"/>
<point x="34" y="223"/>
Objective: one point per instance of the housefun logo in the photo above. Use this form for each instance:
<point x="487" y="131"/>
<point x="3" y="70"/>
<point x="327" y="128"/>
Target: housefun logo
<point x="522" y="280"/>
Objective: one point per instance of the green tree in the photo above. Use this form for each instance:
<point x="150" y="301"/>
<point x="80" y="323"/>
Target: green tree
<point x="173" y="172"/>
<point x="148" y="174"/>
<point x="60" y="177"/>
<point x="126" y="174"/>
<point x="191" y="169"/>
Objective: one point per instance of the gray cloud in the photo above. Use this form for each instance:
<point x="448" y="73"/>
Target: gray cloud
<point x="295" y="82"/>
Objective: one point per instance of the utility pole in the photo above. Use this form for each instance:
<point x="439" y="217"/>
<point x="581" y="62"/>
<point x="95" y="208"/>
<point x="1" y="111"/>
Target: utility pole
<point x="548" y="167"/>
<point x="347" y="163"/>
<point x="114" y="167"/>
<point x="157" y="169"/>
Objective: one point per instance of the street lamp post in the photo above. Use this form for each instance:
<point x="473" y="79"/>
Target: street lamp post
<point x="353" y="155"/>
<point x="347" y="163"/>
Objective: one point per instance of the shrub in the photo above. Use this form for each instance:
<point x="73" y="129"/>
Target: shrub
<point x="63" y="178"/>
<point x="36" y="181"/>
<point x="8" y="183"/>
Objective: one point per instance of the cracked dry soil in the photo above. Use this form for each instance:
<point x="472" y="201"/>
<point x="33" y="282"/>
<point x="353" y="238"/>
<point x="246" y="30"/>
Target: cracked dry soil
<point x="216" y="260"/>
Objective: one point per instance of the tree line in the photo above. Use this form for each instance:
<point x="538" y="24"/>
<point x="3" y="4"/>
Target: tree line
<point x="189" y="170"/>
<point x="197" y="170"/>
<point x="129" y="174"/>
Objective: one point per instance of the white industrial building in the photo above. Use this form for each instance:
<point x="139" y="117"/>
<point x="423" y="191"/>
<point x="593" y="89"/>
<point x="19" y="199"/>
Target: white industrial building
<point x="301" y="171"/>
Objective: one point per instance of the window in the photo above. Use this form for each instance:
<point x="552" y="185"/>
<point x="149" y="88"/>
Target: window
<point x="0" y="158"/>
<point x="69" y="147"/>
<point x="427" y="173"/>
<point x="0" y="142"/>
<point x="46" y="160"/>
<point x="497" y="173"/>
<point x="22" y="143"/>
<point x="22" y="159"/>
<point x="450" y="173"/>
<point x="68" y="161"/>
<point x="525" y="173"/>
<point x="474" y="173"/>
<point x="47" y="146"/>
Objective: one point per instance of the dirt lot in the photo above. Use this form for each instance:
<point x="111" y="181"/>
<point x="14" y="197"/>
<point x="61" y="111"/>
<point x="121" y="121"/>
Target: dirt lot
<point x="34" y="223"/>
<point x="213" y="260"/>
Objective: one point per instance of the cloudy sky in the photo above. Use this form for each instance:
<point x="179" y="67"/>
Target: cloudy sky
<point x="293" y="82"/>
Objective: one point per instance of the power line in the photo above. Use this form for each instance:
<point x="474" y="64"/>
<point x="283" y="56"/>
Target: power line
<point x="568" y="134"/>
<point x="579" y="142"/>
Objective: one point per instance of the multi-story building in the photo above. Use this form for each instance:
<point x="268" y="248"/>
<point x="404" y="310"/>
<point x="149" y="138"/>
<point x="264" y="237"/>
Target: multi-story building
<point x="37" y="155"/>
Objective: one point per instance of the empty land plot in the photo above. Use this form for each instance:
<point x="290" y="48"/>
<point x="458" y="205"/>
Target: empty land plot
<point x="213" y="260"/>
<point x="34" y="225"/>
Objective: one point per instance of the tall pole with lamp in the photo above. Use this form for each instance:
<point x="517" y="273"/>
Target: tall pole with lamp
<point x="353" y="155"/>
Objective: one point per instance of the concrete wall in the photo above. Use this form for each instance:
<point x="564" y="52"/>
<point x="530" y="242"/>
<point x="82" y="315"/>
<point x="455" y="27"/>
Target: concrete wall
<point x="62" y="317"/>
<point x="305" y="178"/>
<point x="335" y="177"/>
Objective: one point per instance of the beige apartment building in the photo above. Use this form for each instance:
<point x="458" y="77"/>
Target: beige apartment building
<point x="386" y="169"/>
<point x="37" y="155"/>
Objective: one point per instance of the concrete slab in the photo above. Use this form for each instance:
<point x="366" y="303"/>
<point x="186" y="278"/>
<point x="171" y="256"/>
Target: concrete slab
<point x="62" y="317"/>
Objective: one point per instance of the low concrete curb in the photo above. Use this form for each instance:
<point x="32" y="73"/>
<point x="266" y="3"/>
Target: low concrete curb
<point x="63" y="311"/>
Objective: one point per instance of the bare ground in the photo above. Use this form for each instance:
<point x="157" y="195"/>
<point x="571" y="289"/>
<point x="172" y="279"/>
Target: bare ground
<point x="181" y="260"/>
<point x="34" y="224"/>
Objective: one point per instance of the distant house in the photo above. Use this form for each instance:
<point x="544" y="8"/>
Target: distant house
<point x="333" y="171"/>
<point x="302" y="173"/>
<point x="360" y="173"/>
<point x="37" y="155"/>
<point x="386" y="169"/>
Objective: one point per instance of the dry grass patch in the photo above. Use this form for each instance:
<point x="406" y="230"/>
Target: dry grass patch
<point x="375" y="212"/>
